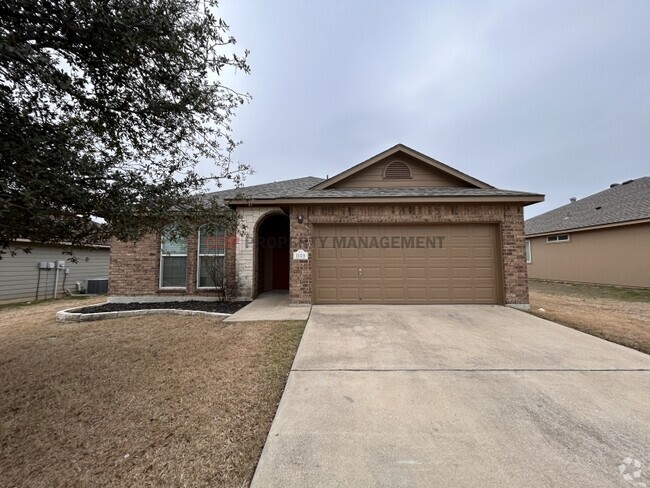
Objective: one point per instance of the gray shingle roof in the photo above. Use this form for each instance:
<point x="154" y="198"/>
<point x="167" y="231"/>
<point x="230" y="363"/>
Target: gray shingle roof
<point x="277" y="189"/>
<point x="622" y="203"/>
<point x="301" y="188"/>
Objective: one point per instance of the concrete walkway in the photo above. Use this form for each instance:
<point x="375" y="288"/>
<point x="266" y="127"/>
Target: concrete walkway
<point x="458" y="396"/>
<point x="272" y="305"/>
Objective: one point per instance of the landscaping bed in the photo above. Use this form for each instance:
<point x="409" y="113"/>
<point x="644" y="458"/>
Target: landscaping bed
<point x="203" y="306"/>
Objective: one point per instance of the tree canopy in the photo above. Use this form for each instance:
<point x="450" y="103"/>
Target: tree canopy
<point x="106" y="108"/>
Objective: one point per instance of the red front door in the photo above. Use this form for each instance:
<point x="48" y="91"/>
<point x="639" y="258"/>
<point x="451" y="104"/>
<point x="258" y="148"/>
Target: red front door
<point x="281" y="268"/>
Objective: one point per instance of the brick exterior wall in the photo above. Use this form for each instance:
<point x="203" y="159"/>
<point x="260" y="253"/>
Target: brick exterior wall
<point x="134" y="269"/>
<point x="510" y="219"/>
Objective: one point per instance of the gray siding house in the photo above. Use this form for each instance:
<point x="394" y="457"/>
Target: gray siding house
<point x="19" y="274"/>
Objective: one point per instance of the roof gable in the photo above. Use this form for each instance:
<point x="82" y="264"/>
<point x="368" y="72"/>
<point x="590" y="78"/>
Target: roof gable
<point x="629" y="202"/>
<point x="377" y="172"/>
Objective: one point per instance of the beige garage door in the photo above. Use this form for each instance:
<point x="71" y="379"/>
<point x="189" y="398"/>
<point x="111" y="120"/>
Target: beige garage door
<point x="406" y="264"/>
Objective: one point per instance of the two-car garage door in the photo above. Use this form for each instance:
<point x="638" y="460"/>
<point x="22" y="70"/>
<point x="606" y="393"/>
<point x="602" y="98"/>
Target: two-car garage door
<point x="411" y="264"/>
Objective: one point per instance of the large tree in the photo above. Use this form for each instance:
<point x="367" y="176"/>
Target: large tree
<point x="106" y="107"/>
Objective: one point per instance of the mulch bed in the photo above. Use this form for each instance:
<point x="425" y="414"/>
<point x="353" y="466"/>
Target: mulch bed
<point x="217" y="307"/>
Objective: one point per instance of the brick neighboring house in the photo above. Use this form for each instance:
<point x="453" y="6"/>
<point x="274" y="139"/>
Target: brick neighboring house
<point x="603" y="238"/>
<point x="398" y="228"/>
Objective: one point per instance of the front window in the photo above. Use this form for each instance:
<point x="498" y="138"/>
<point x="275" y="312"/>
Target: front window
<point x="173" y="262"/>
<point x="211" y="257"/>
<point x="529" y="254"/>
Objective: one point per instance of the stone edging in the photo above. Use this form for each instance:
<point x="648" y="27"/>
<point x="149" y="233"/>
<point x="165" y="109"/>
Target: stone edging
<point x="69" y="315"/>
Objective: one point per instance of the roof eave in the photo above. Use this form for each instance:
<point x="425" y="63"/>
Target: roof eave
<point x="589" y="227"/>
<point x="519" y="199"/>
<point x="62" y="243"/>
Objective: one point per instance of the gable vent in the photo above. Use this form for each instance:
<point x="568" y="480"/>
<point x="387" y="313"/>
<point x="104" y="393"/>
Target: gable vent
<point x="397" y="170"/>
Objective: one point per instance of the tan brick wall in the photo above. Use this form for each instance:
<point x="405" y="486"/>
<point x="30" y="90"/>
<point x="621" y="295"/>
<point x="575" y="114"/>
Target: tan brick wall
<point x="246" y="271"/>
<point x="135" y="268"/>
<point x="509" y="217"/>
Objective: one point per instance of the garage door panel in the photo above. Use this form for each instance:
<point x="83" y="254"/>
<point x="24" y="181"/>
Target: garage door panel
<point x="440" y="295"/>
<point x="487" y="273"/>
<point x="370" y="253"/>
<point x="371" y="273"/>
<point x="461" y="252"/>
<point x="348" y="253"/>
<point x="394" y="293"/>
<point x="326" y="273"/>
<point x="485" y="294"/>
<point x="483" y="252"/>
<point x="393" y="273"/>
<point x="416" y="294"/>
<point x="458" y="272"/>
<point x="459" y="231"/>
<point x="346" y="273"/>
<point x="326" y="253"/>
<point x="415" y="253"/>
<point x="462" y="294"/>
<point x="326" y="293"/>
<point x="371" y="292"/>
<point x="396" y="253"/>
<point x="416" y="273"/>
<point x="404" y="269"/>
<point x="349" y="293"/>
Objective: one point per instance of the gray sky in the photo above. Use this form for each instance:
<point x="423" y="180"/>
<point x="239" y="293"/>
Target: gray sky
<point x="544" y="96"/>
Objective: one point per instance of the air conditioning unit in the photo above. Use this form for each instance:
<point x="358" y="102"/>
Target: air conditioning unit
<point x="97" y="286"/>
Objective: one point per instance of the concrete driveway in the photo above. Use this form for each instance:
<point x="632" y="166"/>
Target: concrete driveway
<point x="425" y="396"/>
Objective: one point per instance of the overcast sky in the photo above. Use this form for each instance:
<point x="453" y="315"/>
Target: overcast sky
<point x="544" y="96"/>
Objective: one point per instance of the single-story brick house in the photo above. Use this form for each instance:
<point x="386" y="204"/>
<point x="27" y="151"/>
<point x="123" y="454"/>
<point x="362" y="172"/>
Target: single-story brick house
<point x="602" y="239"/>
<point x="398" y="228"/>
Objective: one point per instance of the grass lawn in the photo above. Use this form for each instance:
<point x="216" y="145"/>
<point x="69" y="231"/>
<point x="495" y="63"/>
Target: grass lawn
<point x="619" y="315"/>
<point x="147" y="401"/>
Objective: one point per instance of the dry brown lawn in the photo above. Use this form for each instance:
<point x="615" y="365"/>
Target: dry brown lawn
<point x="619" y="315"/>
<point x="148" y="401"/>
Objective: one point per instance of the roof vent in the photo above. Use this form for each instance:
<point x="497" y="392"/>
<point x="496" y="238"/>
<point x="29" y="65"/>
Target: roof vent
<point x="626" y="182"/>
<point x="572" y="199"/>
<point x="397" y="170"/>
<point x="614" y="185"/>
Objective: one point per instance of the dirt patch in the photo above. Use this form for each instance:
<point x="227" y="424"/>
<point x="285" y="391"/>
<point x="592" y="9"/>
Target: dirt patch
<point x="146" y="401"/>
<point x="212" y="306"/>
<point x="607" y="312"/>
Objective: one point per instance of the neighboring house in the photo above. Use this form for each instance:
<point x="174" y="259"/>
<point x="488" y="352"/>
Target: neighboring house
<point x="603" y="238"/>
<point x="19" y="274"/>
<point x="399" y="228"/>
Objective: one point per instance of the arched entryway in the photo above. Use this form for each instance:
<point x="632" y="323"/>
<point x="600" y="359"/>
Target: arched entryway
<point x="273" y="253"/>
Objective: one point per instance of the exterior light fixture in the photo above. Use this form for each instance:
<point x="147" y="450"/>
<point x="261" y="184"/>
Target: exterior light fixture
<point x="300" y="218"/>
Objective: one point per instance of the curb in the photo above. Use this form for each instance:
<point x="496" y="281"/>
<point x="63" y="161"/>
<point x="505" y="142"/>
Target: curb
<point x="69" y="315"/>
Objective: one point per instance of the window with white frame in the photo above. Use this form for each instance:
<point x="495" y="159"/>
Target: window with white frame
<point x="211" y="258"/>
<point x="558" y="238"/>
<point x="529" y="254"/>
<point x="173" y="262"/>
